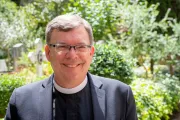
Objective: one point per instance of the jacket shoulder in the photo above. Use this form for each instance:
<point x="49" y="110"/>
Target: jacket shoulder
<point x="108" y="82"/>
<point x="33" y="86"/>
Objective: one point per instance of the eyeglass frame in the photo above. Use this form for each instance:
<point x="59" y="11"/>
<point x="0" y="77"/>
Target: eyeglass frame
<point x="69" y="47"/>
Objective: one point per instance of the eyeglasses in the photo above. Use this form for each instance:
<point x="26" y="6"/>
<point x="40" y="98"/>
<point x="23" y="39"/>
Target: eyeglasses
<point x="66" y="48"/>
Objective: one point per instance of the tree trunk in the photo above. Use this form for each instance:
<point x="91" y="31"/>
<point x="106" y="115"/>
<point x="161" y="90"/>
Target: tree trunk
<point x="171" y="69"/>
<point x="146" y="70"/>
<point x="152" y="66"/>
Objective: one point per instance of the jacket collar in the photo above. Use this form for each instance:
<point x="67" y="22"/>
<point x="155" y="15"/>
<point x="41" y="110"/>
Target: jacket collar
<point x="45" y="97"/>
<point x="98" y="98"/>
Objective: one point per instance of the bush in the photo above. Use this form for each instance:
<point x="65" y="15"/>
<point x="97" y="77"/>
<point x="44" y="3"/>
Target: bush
<point x="172" y="85"/>
<point x="156" y="100"/>
<point x="7" y="84"/>
<point x="3" y="54"/>
<point x="98" y="13"/>
<point x="109" y="62"/>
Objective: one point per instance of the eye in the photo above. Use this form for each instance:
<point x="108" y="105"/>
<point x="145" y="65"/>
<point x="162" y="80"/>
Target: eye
<point x="62" y="47"/>
<point x="81" y="48"/>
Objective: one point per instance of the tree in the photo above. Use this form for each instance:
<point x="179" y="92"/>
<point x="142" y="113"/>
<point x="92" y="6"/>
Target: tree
<point x="174" y="5"/>
<point x="7" y="11"/>
<point x="22" y="2"/>
<point x="98" y="13"/>
<point x="140" y="33"/>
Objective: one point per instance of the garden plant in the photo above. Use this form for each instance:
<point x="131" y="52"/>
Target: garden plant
<point x="135" y="34"/>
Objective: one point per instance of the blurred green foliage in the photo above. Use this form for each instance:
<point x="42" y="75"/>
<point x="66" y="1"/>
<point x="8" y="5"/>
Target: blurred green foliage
<point x="156" y="100"/>
<point x="98" y="13"/>
<point x="144" y="37"/>
<point x="136" y="22"/>
<point x="7" y="84"/>
<point x="135" y="26"/>
<point x="109" y="62"/>
<point x="174" y="5"/>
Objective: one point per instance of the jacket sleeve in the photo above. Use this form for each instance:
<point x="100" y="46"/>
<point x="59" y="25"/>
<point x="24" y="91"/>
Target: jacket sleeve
<point x="131" y="106"/>
<point x="11" y="112"/>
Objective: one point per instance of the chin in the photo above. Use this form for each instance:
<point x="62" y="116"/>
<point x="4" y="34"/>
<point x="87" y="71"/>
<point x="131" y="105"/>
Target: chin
<point x="75" y="75"/>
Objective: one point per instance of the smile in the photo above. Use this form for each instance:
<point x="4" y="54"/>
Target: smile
<point x="71" y="66"/>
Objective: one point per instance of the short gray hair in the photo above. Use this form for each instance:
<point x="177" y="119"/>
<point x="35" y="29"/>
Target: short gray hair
<point x="66" y="23"/>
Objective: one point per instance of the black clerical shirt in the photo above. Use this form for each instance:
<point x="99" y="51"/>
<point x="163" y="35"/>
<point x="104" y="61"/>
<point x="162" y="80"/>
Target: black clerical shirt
<point x="77" y="106"/>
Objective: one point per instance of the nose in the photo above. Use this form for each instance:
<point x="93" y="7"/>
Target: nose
<point x="71" y="53"/>
<point x="74" y="47"/>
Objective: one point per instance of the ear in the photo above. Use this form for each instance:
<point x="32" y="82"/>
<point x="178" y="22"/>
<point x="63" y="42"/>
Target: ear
<point x="92" y="51"/>
<point x="47" y="52"/>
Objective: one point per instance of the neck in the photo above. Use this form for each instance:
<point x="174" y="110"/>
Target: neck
<point x="66" y="82"/>
<point x="71" y="90"/>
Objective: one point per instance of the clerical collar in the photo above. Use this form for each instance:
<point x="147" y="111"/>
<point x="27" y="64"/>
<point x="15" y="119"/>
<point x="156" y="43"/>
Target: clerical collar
<point x="71" y="90"/>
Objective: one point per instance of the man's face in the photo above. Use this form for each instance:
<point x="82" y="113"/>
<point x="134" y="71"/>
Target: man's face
<point x="73" y="64"/>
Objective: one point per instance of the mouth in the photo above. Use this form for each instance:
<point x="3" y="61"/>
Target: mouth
<point x="71" y="66"/>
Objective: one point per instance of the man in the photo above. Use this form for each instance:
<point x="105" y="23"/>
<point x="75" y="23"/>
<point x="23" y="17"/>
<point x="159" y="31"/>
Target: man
<point x="71" y="93"/>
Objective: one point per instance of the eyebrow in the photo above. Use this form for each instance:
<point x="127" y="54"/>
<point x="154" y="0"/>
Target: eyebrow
<point x="81" y="43"/>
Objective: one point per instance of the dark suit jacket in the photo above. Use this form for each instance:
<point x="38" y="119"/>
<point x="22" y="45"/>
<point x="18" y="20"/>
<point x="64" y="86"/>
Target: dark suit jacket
<point x="112" y="100"/>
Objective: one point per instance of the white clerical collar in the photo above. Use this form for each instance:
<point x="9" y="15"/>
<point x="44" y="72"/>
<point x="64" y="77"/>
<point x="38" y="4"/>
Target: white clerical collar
<point x="71" y="90"/>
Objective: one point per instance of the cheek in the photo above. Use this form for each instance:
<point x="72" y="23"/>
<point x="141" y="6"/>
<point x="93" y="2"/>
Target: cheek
<point x="56" y="58"/>
<point x="88" y="59"/>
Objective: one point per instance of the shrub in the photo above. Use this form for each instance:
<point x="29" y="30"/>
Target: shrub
<point x="7" y="84"/>
<point x="156" y="100"/>
<point x="98" y="13"/>
<point x="172" y="85"/>
<point x="109" y="62"/>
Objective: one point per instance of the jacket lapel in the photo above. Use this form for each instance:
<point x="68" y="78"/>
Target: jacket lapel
<point x="45" y="100"/>
<point x="98" y="98"/>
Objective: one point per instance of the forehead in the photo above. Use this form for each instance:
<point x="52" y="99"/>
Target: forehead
<point x="73" y="36"/>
